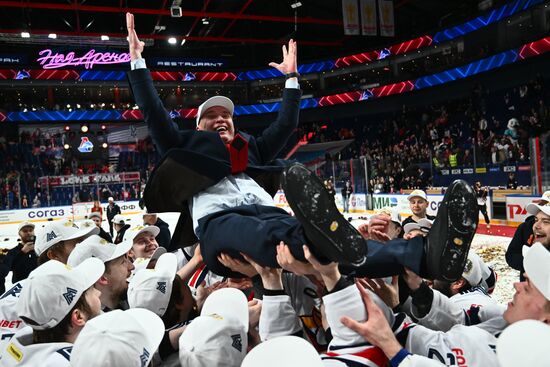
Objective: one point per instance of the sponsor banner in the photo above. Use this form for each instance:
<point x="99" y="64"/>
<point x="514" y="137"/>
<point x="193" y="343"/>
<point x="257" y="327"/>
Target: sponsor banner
<point x="179" y="62"/>
<point x="455" y="171"/>
<point x="444" y="171"/>
<point x="468" y="171"/>
<point x="516" y="207"/>
<point x="99" y="178"/>
<point x="58" y="212"/>
<point x="481" y="170"/>
<point x="53" y="60"/>
<point x="368" y="17"/>
<point x="401" y="202"/>
<point x="8" y="58"/>
<point x="494" y="169"/>
<point x="357" y="202"/>
<point x="509" y="168"/>
<point x="524" y="168"/>
<point x="350" y="12"/>
<point x="387" y="22"/>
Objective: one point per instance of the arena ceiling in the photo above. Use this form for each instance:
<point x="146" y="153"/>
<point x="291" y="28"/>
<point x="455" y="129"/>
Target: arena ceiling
<point x="247" y="29"/>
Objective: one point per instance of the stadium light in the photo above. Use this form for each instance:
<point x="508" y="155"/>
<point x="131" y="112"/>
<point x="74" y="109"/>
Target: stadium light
<point x="104" y="38"/>
<point x="84" y="128"/>
<point x="295" y="5"/>
<point x="103" y="127"/>
<point x="52" y="36"/>
<point x="25" y="35"/>
<point x="66" y="146"/>
<point x="172" y="40"/>
<point x="104" y="145"/>
<point x="67" y="128"/>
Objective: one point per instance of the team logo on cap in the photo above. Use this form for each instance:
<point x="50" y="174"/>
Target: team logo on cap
<point x="103" y="241"/>
<point x="70" y="223"/>
<point x="69" y="295"/>
<point x="161" y="286"/>
<point x="468" y="267"/>
<point x="144" y="357"/>
<point x="50" y="236"/>
<point x="237" y="342"/>
<point x="14" y="291"/>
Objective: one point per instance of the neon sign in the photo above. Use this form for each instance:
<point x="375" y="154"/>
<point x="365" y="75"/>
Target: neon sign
<point x="50" y="60"/>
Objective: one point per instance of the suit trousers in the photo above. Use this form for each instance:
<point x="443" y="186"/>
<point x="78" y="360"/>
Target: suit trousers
<point x="256" y="230"/>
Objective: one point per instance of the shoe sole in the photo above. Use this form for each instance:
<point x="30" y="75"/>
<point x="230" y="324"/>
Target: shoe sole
<point x="324" y="226"/>
<point x="461" y="205"/>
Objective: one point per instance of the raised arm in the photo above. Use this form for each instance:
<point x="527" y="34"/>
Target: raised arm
<point x="164" y="132"/>
<point x="274" y="138"/>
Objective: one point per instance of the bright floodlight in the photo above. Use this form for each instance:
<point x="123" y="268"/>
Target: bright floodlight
<point x="52" y="35"/>
<point x="104" y="38"/>
<point x="172" y="40"/>
<point x="295" y="5"/>
<point x="84" y="128"/>
<point x="25" y="34"/>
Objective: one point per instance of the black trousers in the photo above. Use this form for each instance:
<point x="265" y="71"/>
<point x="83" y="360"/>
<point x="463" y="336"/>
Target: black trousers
<point x="483" y="210"/>
<point x="256" y="230"/>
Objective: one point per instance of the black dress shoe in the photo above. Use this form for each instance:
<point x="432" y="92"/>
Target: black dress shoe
<point x="328" y="232"/>
<point x="453" y="229"/>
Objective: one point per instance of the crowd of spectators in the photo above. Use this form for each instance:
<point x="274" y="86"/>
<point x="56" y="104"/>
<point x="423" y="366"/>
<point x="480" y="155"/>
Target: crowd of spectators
<point x="29" y="156"/>
<point x="403" y="149"/>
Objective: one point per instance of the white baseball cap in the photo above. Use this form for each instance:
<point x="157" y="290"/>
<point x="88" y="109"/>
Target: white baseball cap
<point x="151" y="288"/>
<point x="60" y="230"/>
<point x="8" y="308"/>
<point x="472" y="270"/>
<point x="423" y="224"/>
<point x="94" y="214"/>
<point x="23" y="225"/>
<point x="393" y="213"/>
<point x="524" y="343"/>
<point x="215" y="101"/>
<point x="536" y="263"/>
<point x="283" y="351"/>
<point x="534" y="209"/>
<point x="95" y="246"/>
<point x="419" y="194"/>
<point x="52" y="290"/>
<point x="118" y="219"/>
<point x="219" y="336"/>
<point x="133" y="232"/>
<point x="545" y="197"/>
<point x="118" y="338"/>
<point x="110" y="199"/>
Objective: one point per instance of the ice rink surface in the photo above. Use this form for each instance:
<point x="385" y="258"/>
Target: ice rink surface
<point x="490" y="248"/>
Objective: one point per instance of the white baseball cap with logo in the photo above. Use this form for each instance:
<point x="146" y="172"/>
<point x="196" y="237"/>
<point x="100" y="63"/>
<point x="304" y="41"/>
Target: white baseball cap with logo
<point x="536" y="263"/>
<point x="151" y="288"/>
<point x="545" y="197"/>
<point x="218" y="337"/>
<point x="118" y="338"/>
<point x="95" y="246"/>
<point x="147" y="262"/>
<point x="472" y="270"/>
<point x="52" y="290"/>
<point x="283" y="351"/>
<point x="418" y="194"/>
<point x="213" y="102"/>
<point x="524" y="343"/>
<point x="60" y="230"/>
<point x="23" y="225"/>
<point x="132" y="232"/>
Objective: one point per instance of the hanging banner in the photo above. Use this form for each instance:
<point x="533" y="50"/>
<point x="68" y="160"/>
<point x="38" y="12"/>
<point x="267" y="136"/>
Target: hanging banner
<point x="369" y="24"/>
<point x="387" y="22"/>
<point x="350" y="13"/>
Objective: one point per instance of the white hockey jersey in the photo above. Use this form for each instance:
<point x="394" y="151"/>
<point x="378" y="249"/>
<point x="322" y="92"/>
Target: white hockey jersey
<point x="21" y="352"/>
<point x="9" y="320"/>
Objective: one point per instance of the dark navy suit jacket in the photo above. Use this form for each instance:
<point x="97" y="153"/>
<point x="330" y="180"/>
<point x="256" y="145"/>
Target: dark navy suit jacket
<point x="195" y="160"/>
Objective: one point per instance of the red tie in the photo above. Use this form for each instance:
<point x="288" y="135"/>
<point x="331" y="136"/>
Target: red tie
<point x="238" y="154"/>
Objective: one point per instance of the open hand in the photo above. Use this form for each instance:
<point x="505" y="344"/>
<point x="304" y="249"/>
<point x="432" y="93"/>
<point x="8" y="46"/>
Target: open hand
<point x="288" y="65"/>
